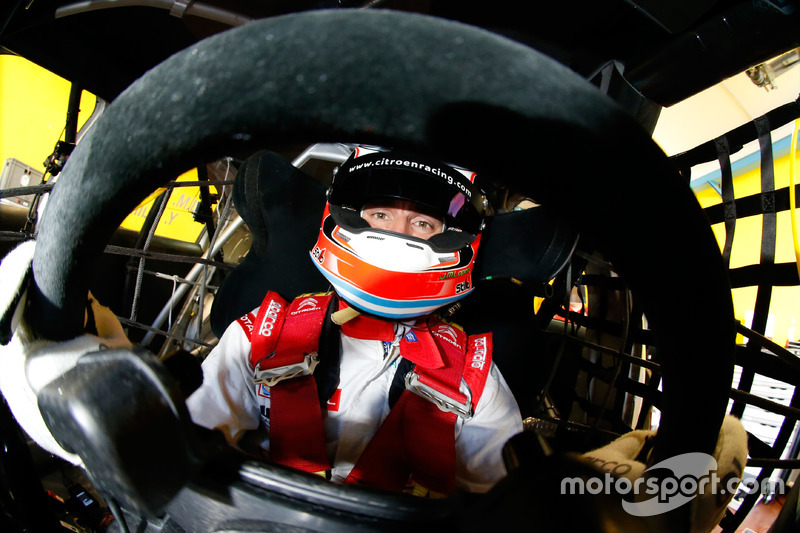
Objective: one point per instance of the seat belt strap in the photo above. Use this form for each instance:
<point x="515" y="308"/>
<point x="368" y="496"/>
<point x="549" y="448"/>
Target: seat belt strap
<point x="284" y="351"/>
<point x="297" y="435"/>
<point x="477" y="364"/>
<point x="417" y="439"/>
<point x="266" y="327"/>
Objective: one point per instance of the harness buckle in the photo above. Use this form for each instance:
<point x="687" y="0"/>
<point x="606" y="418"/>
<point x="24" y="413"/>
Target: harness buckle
<point x="441" y="400"/>
<point x="271" y="376"/>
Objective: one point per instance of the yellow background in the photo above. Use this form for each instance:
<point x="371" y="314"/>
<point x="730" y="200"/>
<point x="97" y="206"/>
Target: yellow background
<point x="746" y="250"/>
<point x="33" y="107"/>
<point x="33" y="113"/>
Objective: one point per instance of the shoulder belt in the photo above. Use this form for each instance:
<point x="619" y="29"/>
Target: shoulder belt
<point x="417" y="440"/>
<point x="284" y="341"/>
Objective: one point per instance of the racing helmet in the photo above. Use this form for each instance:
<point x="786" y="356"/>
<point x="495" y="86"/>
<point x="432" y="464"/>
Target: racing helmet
<point x="389" y="274"/>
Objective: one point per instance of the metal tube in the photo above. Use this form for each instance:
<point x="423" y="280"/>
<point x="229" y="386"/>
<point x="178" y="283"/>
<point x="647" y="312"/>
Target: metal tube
<point x="193" y="274"/>
<point x="196" y="9"/>
<point x="334" y="152"/>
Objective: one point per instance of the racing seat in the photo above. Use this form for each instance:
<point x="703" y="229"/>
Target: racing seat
<point x="281" y="206"/>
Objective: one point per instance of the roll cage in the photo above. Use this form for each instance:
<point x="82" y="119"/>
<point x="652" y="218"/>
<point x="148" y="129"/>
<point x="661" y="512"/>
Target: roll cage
<point x="624" y="340"/>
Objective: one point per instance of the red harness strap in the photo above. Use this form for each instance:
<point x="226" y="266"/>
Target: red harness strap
<point x="477" y="365"/>
<point x="417" y="439"/>
<point x="284" y="344"/>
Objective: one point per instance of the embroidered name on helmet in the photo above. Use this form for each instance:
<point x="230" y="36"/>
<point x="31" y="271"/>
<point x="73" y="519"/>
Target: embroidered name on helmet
<point x="452" y="274"/>
<point x="479" y="353"/>
<point x="265" y="330"/>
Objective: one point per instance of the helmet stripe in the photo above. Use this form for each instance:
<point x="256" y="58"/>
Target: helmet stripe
<point x="383" y="306"/>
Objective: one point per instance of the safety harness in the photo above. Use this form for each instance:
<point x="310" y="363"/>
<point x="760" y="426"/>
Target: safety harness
<point x="417" y="439"/>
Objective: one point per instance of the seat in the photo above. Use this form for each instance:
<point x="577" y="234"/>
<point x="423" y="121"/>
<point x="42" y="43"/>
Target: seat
<point x="281" y="206"/>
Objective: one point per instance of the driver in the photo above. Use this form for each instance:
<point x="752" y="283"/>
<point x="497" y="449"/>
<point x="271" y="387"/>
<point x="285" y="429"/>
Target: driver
<point x="369" y="384"/>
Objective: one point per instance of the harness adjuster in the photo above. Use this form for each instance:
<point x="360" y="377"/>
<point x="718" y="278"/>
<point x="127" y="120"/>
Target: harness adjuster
<point x="271" y="376"/>
<point x="438" y="398"/>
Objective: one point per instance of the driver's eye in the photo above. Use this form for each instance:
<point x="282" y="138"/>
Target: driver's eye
<point x="375" y="214"/>
<point x="423" y="224"/>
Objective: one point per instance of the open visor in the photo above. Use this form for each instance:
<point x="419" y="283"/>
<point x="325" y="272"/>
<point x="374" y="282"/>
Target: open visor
<point x="429" y="183"/>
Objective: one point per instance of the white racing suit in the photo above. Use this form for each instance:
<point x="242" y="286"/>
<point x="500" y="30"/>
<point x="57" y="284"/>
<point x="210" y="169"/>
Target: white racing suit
<point x="229" y="401"/>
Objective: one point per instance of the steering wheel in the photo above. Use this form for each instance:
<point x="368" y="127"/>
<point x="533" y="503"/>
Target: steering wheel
<point x="430" y="85"/>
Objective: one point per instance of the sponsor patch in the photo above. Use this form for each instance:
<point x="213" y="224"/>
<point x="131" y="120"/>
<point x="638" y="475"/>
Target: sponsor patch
<point x="248" y="323"/>
<point x="333" y="403"/>
<point x="305" y="305"/>
<point x="274" y="309"/>
<point x="448" y="333"/>
<point x="478" y="353"/>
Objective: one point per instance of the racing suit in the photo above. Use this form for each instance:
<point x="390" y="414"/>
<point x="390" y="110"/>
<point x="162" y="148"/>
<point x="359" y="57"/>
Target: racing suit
<point x="229" y="401"/>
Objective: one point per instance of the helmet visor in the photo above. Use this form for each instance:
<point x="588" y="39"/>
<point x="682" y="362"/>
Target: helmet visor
<point x="390" y="175"/>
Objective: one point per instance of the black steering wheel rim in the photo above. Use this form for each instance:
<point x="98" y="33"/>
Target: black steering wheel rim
<point x="424" y="84"/>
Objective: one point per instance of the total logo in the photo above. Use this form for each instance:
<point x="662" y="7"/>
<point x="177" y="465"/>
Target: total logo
<point x="247" y="322"/>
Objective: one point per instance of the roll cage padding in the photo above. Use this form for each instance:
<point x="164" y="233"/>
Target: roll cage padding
<point x="423" y="84"/>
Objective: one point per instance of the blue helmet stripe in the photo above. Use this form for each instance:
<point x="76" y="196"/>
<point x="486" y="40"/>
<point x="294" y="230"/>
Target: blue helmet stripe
<point x="383" y="306"/>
